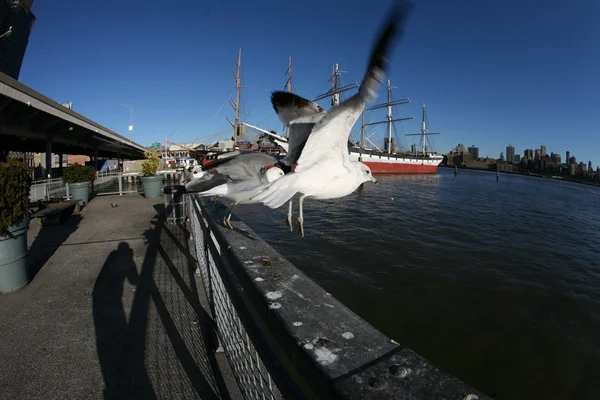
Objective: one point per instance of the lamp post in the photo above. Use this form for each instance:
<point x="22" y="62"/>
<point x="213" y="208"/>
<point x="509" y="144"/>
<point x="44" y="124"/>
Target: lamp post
<point x="7" y="33"/>
<point x="130" y="120"/>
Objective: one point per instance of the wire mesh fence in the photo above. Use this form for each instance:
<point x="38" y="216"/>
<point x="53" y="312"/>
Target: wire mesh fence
<point x="250" y="372"/>
<point x="48" y="189"/>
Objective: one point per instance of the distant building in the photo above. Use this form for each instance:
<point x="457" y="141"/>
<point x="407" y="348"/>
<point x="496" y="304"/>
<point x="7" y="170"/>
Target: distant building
<point x="568" y="157"/>
<point x="474" y="152"/>
<point x="414" y="148"/>
<point x="510" y="153"/>
<point x="528" y="154"/>
<point x="16" y="14"/>
<point x="536" y="155"/>
<point x="542" y="151"/>
<point x="590" y="169"/>
<point x="501" y="156"/>
<point x="573" y="160"/>
<point x="517" y="158"/>
<point x="392" y="144"/>
<point x="555" y="158"/>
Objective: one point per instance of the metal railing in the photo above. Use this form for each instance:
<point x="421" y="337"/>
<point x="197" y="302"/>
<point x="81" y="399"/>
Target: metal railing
<point x="286" y="337"/>
<point x="45" y="189"/>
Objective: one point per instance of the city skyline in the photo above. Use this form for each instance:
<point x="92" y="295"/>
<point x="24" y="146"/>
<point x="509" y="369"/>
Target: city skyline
<point x="529" y="153"/>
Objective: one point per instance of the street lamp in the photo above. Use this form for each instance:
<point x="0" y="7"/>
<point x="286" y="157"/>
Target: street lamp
<point x="130" y="120"/>
<point x="7" y="33"/>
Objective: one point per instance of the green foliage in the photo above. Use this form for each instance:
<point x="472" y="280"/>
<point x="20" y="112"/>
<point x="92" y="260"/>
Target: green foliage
<point x="79" y="173"/>
<point x="15" y="184"/>
<point x="150" y="165"/>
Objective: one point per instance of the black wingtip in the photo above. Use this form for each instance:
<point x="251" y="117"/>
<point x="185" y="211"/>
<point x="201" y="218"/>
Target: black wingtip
<point x="281" y="99"/>
<point x="392" y="31"/>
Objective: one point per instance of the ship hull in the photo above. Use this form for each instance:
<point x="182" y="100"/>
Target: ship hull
<point x="397" y="164"/>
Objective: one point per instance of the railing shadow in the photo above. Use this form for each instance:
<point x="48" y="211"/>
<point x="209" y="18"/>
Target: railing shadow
<point x="47" y="241"/>
<point x="164" y="347"/>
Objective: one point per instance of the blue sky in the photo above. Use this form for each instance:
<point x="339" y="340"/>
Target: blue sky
<point x="491" y="73"/>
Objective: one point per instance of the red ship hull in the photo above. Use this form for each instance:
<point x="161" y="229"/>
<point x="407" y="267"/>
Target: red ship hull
<point x="399" y="168"/>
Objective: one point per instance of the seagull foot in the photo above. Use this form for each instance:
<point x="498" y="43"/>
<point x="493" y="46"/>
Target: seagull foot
<point x="300" y="224"/>
<point x="288" y="222"/>
<point x="227" y="222"/>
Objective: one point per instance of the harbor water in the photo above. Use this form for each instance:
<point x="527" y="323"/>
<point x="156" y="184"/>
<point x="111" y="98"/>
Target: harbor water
<point x="496" y="282"/>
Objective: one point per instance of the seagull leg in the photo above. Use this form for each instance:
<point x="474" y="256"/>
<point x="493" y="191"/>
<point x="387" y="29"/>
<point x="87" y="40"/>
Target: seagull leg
<point x="300" y="221"/>
<point x="288" y="221"/>
<point x="227" y="217"/>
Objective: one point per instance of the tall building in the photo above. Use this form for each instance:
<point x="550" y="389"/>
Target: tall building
<point x="528" y="154"/>
<point x="556" y="157"/>
<point x="16" y="22"/>
<point x="510" y="153"/>
<point x="568" y="157"/>
<point x="474" y="152"/>
<point x="517" y="158"/>
<point x="536" y="154"/>
<point x="414" y="148"/>
<point x="501" y="156"/>
<point x="543" y="151"/>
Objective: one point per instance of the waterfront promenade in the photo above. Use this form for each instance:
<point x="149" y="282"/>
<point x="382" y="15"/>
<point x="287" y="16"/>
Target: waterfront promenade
<point x="115" y="310"/>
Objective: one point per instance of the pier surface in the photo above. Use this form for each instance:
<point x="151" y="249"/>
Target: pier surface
<point x="115" y="310"/>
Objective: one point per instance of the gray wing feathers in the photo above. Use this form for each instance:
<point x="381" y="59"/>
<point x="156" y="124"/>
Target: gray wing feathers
<point x="245" y="166"/>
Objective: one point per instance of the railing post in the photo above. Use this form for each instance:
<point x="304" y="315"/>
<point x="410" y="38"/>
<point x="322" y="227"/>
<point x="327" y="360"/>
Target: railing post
<point x="120" y="177"/>
<point x="68" y="193"/>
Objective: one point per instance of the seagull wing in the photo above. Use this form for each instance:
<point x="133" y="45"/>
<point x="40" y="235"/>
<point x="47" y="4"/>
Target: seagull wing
<point x="290" y="106"/>
<point x="332" y="131"/>
<point x="300" y="115"/>
<point x="243" y="166"/>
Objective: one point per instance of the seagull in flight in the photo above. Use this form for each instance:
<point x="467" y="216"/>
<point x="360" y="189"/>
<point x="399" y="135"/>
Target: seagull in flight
<point x="323" y="167"/>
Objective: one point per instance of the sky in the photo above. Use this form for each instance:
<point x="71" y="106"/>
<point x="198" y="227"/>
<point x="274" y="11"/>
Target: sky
<point x="518" y="72"/>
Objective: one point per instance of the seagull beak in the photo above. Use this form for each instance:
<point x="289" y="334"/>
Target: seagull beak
<point x="375" y="180"/>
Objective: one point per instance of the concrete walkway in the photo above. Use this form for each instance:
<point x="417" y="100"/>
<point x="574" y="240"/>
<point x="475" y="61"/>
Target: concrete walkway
<point x="115" y="311"/>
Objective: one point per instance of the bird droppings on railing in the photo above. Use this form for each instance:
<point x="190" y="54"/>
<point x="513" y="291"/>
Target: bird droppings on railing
<point x="259" y="279"/>
<point x="347" y="335"/>
<point x="274" y="295"/>
<point x="297" y="323"/>
<point x="399" y="371"/>
<point x="274" y="306"/>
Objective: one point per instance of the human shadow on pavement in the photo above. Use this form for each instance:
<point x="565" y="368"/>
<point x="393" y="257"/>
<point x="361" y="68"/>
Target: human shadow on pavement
<point x="163" y="349"/>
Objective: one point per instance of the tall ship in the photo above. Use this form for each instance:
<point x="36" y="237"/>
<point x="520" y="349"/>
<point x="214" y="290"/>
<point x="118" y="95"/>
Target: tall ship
<point x="389" y="160"/>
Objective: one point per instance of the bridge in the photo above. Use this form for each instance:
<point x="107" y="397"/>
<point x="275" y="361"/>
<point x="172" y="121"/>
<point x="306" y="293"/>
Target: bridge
<point x="32" y="122"/>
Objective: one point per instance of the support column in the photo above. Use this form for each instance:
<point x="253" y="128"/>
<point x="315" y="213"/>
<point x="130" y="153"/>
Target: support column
<point x="49" y="157"/>
<point x="96" y="158"/>
<point x="60" y="164"/>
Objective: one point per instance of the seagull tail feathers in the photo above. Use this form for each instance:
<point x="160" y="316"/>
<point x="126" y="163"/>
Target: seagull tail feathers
<point x="275" y="194"/>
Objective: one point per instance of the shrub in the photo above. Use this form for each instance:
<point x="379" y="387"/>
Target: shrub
<point x="15" y="184"/>
<point x="79" y="173"/>
<point x="150" y="164"/>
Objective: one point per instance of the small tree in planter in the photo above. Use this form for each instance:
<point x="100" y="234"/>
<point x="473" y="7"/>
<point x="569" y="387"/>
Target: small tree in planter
<point x="151" y="182"/>
<point x="80" y="178"/>
<point x="15" y="185"/>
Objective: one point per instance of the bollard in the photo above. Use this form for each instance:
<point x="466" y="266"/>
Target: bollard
<point x="174" y="204"/>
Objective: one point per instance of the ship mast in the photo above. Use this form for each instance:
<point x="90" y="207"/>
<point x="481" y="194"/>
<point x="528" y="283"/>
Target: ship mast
<point x="236" y="105"/>
<point x="288" y="88"/>
<point x="424" y="133"/>
<point x="389" y="117"/>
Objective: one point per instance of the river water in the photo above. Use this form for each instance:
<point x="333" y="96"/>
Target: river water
<point x="497" y="283"/>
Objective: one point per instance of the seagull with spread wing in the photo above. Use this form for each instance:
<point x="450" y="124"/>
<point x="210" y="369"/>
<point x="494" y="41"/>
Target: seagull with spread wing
<point x="323" y="168"/>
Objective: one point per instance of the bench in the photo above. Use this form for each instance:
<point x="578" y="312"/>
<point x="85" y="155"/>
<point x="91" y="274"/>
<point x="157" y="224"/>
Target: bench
<point x="55" y="213"/>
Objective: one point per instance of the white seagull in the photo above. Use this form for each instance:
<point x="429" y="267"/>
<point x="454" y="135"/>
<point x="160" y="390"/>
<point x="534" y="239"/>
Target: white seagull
<point x="324" y="169"/>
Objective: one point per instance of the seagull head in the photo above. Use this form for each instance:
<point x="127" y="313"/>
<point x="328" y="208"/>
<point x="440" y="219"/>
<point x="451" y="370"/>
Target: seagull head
<point x="365" y="173"/>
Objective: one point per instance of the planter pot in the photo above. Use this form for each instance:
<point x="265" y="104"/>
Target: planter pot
<point x="80" y="191"/>
<point x="14" y="273"/>
<point x="152" y="185"/>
